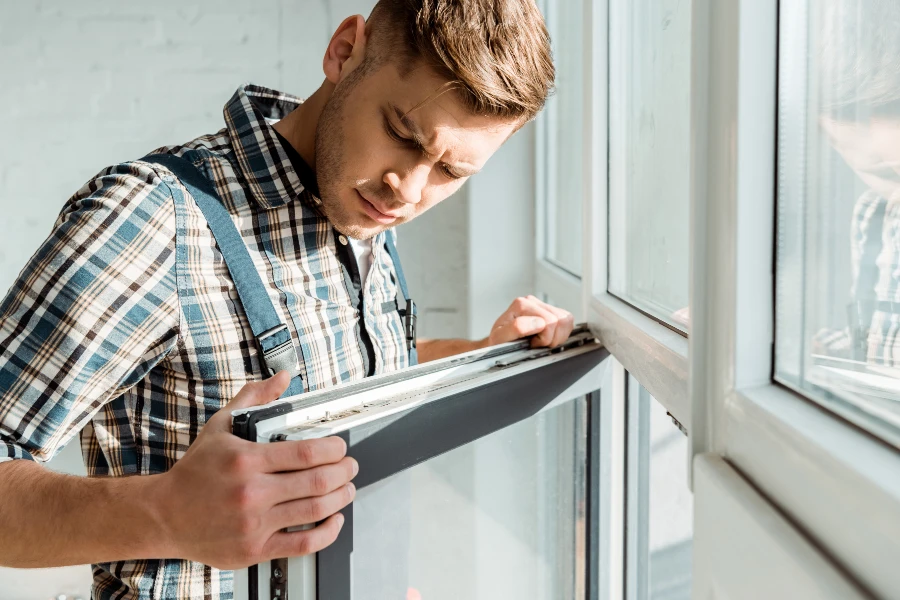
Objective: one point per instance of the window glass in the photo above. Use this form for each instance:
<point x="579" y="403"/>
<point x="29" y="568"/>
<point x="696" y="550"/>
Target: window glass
<point x="659" y="502"/>
<point x="649" y="155"/>
<point x="562" y="138"/>
<point x="502" y="517"/>
<point x="838" y="238"/>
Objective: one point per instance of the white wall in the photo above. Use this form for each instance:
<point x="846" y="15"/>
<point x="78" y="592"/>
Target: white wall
<point x="91" y="83"/>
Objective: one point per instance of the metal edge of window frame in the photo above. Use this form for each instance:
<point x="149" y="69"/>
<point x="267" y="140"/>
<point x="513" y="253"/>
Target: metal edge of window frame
<point x="327" y="575"/>
<point x="809" y="464"/>
<point x="655" y="354"/>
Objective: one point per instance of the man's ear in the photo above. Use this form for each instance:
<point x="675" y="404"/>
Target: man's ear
<point x="346" y="50"/>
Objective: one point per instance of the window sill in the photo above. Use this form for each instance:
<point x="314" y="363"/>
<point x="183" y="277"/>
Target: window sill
<point x="824" y="474"/>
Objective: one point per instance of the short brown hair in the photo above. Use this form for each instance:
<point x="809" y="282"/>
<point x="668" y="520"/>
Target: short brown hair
<point x="496" y="53"/>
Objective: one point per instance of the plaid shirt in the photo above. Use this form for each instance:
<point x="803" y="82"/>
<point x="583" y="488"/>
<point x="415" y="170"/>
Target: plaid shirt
<point x="126" y="326"/>
<point x="876" y="276"/>
<point x="875" y="260"/>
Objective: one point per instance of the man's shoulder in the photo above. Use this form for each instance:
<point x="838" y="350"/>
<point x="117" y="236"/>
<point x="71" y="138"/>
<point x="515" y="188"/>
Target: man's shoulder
<point x="139" y="181"/>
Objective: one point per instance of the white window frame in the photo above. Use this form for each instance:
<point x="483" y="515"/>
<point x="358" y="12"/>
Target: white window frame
<point x="552" y="281"/>
<point x="837" y="486"/>
<point x="653" y="353"/>
<point x="790" y="478"/>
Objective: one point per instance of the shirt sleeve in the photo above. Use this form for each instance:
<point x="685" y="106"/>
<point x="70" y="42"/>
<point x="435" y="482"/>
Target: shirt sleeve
<point x="91" y="313"/>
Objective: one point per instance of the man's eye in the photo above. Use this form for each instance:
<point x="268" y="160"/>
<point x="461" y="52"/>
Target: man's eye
<point x="392" y="133"/>
<point x="446" y="170"/>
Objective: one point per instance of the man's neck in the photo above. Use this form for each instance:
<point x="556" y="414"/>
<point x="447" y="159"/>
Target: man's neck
<point x="299" y="126"/>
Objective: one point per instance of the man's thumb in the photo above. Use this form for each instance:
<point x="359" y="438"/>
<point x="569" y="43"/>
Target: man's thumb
<point x="259" y="392"/>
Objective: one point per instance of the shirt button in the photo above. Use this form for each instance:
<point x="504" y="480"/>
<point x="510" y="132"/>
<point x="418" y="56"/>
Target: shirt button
<point x="343" y="240"/>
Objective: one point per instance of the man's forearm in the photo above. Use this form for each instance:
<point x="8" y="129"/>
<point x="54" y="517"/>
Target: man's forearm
<point x="435" y="349"/>
<point x="49" y="519"/>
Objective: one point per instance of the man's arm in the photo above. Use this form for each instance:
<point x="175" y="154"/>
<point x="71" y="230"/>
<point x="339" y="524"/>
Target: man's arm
<point x="91" y="314"/>
<point x="224" y="503"/>
<point x="526" y="316"/>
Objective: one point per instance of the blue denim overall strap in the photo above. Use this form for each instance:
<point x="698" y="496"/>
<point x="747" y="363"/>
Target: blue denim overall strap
<point x="407" y="314"/>
<point x="273" y="338"/>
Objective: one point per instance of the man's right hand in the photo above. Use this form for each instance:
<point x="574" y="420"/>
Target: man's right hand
<point x="227" y="500"/>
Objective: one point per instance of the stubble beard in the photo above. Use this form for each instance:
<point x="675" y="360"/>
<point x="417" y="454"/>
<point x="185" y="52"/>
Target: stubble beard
<point x="330" y="163"/>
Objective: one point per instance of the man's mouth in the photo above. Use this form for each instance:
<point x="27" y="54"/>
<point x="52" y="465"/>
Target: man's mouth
<point x="385" y="218"/>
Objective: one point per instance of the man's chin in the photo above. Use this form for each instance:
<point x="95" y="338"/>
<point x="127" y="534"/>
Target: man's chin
<point x="360" y="231"/>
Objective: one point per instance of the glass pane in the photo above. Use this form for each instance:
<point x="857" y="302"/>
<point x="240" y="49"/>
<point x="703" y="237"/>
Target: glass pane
<point x="659" y="505"/>
<point x="563" y="130"/>
<point x="501" y="517"/>
<point x="838" y="253"/>
<point x="649" y="155"/>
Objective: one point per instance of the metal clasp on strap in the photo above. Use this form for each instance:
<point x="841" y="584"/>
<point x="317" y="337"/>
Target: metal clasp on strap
<point x="282" y="357"/>
<point x="409" y="323"/>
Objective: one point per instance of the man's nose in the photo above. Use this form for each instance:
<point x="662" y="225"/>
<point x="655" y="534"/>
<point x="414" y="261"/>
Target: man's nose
<point x="408" y="185"/>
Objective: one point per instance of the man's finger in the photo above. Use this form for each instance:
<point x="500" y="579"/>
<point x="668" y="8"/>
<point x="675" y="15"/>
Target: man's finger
<point x="517" y="329"/>
<point x="302" y="543"/>
<point x="252" y="394"/>
<point x="303" y="454"/>
<point x="311" y="510"/>
<point x="565" y="323"/>
<point x="537" y="308"/>
<point x="318" y="481"/>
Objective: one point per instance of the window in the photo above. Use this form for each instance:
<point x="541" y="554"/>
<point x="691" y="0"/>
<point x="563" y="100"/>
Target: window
<point x="501" y="517"/>
<point x="659" y="503"/>
<point x="838" y="254"/>
<point x="807" y="498"/>
<point x="649" y="157"/>
<point x="561" y="140"/>
<point x="475" y="478"/>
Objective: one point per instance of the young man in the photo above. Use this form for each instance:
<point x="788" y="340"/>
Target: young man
<point x="859" y="57"/>
<point x="127" y="324"/>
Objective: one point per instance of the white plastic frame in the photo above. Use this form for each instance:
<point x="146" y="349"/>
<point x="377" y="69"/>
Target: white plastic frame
<point x="837" y="486"/>
<point x="655" y="354"/>
<point x="552" y="281"/>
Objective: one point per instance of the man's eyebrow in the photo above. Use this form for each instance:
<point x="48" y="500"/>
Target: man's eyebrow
<point x="419" y="140"/>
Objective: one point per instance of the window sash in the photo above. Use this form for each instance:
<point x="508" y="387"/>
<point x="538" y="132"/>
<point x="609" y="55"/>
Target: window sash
<point x="428" y="415"/>
<point x="655" y="354"/>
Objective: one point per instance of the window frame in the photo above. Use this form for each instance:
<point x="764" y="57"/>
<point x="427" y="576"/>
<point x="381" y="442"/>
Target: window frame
<point x="808" y="464"/>
<point x="443" y="418"/>
<point x="552" y="281"/>
<point x="655" y="354"/>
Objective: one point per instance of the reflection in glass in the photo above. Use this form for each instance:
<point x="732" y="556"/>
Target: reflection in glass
<point x="659" y="503"/>
<point x="838" y="286"/>
<point x="649" y="155"/>
<point x="502" y="517"/>
<point x="563" y="136"/>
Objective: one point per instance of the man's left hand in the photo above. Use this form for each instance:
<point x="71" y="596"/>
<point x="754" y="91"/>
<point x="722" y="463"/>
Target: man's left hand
<point x="527" y="316"/>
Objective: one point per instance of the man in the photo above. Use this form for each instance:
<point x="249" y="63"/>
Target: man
<point x="127" y="326"/>
<point x="859" y="50"/>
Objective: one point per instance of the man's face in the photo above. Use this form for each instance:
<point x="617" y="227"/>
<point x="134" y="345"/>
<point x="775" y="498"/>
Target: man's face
<point x="381" y="160"/>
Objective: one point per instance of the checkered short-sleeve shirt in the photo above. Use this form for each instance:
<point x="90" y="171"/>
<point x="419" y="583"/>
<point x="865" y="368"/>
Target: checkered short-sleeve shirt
<point x="125" y="326"/>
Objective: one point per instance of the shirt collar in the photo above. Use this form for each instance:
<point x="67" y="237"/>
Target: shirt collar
<point x="266" y="168"/>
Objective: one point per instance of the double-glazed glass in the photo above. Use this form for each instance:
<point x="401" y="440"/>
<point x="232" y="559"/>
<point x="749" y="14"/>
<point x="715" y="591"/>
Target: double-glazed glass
<point x="649" y="155"/>
<point x="838" y="235"/>
<point x="562" y="137"/>
<point x="659" y="503"/>
<point x="502" y="517"/>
